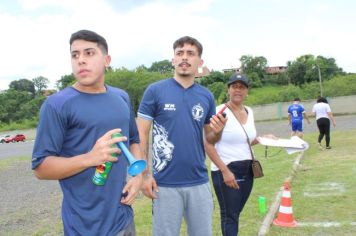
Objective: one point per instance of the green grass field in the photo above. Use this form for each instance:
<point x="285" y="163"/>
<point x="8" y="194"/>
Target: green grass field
<point x="323" y="191"/>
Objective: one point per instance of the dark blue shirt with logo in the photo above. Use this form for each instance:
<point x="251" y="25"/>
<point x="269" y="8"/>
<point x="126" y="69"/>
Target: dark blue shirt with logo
<point x="70" y="123"/>
<point x="179" y="115"/>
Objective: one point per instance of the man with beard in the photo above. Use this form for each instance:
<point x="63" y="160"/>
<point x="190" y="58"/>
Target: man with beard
<point x="180" y="109"/>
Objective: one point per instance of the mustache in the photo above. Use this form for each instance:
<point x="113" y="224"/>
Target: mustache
<point x="184" y="63"/>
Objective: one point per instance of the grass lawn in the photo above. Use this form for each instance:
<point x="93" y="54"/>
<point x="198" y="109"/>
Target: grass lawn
<point x="323" y="190"/>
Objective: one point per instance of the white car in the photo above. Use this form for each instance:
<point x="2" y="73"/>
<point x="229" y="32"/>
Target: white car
<point x="2" y="138"/>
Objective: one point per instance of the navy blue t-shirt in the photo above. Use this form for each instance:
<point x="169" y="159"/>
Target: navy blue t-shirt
<point x="70" y="123"/>
<point x="178" y="116"/>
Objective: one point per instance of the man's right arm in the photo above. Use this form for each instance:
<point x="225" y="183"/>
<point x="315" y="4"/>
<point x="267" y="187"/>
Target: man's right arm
<point x="144" y="126"/>
<point x="55" y="168"/>
<point x="149" y="185"/>
<point x="289" y="118"/>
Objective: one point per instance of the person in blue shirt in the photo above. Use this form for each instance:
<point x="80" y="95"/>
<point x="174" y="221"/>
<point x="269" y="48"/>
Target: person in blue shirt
<point x="178" y="109"/>
<point x="296" y="112"/>
<point x="74" y="136"/>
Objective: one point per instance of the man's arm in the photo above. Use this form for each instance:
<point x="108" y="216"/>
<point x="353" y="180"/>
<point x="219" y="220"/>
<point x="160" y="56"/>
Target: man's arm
<point x="134" y="185"/>
<point x="144" y="127"/>
<point x="306" y="117"/>
<point x="289" y="118"/>
<point x="54" y="167"/>
<point x="149" y="186"/>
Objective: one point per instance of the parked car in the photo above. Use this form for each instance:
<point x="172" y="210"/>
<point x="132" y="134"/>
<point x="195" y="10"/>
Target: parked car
<point x="2" y="138"/>
<point x="15" y="138"/>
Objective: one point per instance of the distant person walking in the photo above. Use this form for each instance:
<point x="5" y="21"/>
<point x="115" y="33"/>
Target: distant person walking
<point x="322" y="112"/>
<point x="296" y="112"/>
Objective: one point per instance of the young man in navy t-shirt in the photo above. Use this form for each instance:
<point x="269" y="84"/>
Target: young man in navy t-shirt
<point x="74" y="136"/>
<point x="179" y="110"/>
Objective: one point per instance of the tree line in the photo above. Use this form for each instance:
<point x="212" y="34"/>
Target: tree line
<point x="24" y="97"/>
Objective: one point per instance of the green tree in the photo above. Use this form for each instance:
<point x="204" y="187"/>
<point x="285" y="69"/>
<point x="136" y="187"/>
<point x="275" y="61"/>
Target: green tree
<point x="255" y="80"/>
<point x="162" y="67"/>
<point x="24" y="85"/>
<point x="12" y="103"/>
<point x="141" y="68"/>
<point x="254" y="67"/>
<point x="219" y="90"/>
<point x="305" y="69"/>
<point x="40" y="84"/>
<point x="215" y="76"/>
<point x="65" y="81"/>
<point x="133" y="82"/>
<point x="328" y="67"/>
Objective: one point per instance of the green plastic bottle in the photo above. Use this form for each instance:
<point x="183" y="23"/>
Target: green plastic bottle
<point x="102" y="171"/>
<point x="262" y="204"/>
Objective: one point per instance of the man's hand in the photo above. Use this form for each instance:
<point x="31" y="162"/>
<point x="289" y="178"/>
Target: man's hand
<point x="149" y="187"/>
<point x="103" y="149"/>
<point x="131" y="189"/>
<point x="217" y="123"/>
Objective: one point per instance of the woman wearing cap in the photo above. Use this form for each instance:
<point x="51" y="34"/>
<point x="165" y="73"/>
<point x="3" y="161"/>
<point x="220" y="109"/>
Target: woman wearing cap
<point x="322" y="112"/>
<point x="231" y="157"/>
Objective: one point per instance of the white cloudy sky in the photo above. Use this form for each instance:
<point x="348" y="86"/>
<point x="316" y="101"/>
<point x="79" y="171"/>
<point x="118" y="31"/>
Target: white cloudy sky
<point x="34" y="34"/>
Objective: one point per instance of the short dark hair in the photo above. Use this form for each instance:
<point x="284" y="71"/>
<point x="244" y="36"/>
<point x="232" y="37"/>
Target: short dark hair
<point x="297" y="99"/>
<point x="189" y="40"/>
<point x="90" y="36"/>
<point x="322" y="99"/>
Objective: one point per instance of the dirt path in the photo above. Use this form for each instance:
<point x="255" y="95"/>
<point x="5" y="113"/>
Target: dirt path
<point x="27" y="204"/>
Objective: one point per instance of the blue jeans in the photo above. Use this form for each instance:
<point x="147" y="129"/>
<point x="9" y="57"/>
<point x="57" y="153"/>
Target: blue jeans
<point x="232" y="201"/>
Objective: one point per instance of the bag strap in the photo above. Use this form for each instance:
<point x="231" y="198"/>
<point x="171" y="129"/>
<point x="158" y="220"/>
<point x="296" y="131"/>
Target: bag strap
<point x="247" y="138"/>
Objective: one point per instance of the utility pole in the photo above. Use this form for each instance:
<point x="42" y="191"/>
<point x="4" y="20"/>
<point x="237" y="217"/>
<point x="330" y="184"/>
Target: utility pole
<point x="321" y="88"/>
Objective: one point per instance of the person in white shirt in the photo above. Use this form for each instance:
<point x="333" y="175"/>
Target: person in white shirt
<point x="323" y="115"/>
<point x="231" y="170"/>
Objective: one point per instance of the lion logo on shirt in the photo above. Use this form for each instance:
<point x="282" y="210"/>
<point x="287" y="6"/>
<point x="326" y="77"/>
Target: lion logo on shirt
<point x="162" y="148"/>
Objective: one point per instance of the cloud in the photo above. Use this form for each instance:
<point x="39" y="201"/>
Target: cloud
<point x="35" y="36"/>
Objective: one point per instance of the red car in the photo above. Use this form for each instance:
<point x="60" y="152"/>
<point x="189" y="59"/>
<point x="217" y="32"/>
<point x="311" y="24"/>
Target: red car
<point x="15" y="138"/>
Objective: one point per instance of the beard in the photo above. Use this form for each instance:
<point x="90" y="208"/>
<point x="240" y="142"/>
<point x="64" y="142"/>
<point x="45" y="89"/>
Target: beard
<point x="184" y="73"/>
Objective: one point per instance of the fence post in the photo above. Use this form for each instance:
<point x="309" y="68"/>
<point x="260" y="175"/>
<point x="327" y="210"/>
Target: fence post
<point x="279" y="110"/>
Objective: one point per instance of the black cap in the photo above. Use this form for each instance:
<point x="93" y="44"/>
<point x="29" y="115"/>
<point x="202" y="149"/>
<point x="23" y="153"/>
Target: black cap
<point x="238" y="78"/>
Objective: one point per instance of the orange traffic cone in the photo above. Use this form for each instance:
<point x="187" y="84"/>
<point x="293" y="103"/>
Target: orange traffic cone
<point x="285" y="214"/>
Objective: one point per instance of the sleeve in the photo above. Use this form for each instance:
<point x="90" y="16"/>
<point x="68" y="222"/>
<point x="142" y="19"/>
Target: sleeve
<point x="134" y="136"/>
<point x="49" y="136"/>
<point x="212" y="108"/>
<point x="302" y="109"/>
<point x="328" y="109"/>
<point x="147" y="108"/>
